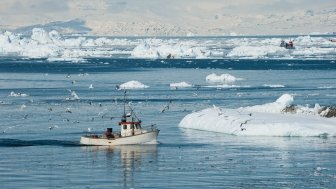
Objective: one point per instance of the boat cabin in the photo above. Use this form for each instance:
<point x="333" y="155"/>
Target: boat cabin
<point x="129" y="126"/>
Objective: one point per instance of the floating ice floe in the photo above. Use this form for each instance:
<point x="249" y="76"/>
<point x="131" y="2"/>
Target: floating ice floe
<point x="224" y="78"/>
<point x="280" y="118"/>
<point x="179" y="85"/>
<point x="274" y="86"/>
<point x="132" y="85"/>
<point x="226" y="86"/>
<point x="257" y="51"/>
<point x="326" y="87"/>
<point x="314" y="51"/>
<point x="13" y="94"/>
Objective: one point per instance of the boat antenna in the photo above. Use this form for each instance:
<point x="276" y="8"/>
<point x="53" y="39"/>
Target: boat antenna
<point x="133" y="113"/>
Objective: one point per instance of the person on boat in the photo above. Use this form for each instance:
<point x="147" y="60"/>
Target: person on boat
<point x="109" y="133"/>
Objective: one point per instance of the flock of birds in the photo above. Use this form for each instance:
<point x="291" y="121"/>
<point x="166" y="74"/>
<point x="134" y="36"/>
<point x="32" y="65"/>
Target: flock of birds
<point x="55" y="112"/>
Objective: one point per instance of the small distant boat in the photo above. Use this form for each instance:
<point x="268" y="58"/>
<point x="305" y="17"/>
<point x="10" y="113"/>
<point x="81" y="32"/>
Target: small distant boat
<point x="289" y="45"/>
<point x="131" y="132"/>
<point x="332" y="40"/>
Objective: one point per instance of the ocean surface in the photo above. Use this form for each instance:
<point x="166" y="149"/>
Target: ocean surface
<point x="39" y="137"/>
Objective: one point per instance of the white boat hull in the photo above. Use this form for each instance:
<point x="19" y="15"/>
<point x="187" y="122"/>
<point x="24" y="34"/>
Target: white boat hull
<point x="143" y="138"/>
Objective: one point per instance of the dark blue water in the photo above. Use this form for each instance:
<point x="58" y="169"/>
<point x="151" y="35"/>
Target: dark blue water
<point x="108" y="64"/>
<point x="39" y="141"/>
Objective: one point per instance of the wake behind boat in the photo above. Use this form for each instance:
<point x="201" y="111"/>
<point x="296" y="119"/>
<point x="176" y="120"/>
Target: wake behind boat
<point x="131" y="132"/>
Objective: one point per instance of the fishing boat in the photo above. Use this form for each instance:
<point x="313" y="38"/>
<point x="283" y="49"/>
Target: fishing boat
<point x="131" y="132"/>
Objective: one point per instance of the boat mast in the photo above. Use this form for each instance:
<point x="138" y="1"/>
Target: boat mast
<point x="124" y="104"/>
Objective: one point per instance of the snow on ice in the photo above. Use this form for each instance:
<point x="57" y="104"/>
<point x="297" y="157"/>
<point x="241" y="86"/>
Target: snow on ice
<point x="132" y="85"/>
<point x="279" y="118"/>
<point x="224" y="78"/>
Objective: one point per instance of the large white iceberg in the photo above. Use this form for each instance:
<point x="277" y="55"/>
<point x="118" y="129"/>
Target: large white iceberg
<point x="271" y="119"/>
<point x="224" y="78"/>
<point x="132" y="85"/>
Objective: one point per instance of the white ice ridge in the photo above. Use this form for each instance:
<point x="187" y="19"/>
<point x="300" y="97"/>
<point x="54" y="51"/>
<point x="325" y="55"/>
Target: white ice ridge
<point x="182" y="84"/>
<point x="223" y="79"/>
<point x="55" y="47"/>
<point x="51" y="45"/>
<point x="257" y="51"/>
<point x="159" y="48"/>
<point x="270" y="119"/>
<point x="132" y="85"/>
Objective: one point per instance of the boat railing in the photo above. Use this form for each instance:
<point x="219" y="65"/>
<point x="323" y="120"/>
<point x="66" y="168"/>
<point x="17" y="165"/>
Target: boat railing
<point x="149" y="128"/>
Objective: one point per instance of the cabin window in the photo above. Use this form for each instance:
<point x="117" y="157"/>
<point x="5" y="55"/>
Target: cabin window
<point x="124" y="126"/>
<point x="132" y="126"/>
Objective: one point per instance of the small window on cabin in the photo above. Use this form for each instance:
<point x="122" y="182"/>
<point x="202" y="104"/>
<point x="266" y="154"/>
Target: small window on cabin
<point x="124" y="126"/>
<point x="132" y="126"/>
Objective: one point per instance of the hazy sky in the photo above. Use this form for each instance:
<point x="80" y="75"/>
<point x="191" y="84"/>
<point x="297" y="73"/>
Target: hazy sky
<point x="15" y="13"/>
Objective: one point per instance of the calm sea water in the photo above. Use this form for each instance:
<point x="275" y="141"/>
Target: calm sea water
<point x="39" y="140"/>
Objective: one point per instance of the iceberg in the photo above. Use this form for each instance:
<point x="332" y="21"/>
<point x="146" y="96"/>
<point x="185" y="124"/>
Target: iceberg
<point x="182" y="84"/>
<point x="42" y="37"/>
<point x="271" y="119"/>
<point x="132" y="85"/>
<point x="224" y="78"/>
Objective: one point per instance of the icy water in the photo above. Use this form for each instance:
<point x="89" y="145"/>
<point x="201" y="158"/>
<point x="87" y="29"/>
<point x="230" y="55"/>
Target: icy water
<point x="39" y="140"/>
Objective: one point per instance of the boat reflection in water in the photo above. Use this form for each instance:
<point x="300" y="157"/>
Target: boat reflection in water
<point x="124" y="165"/>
